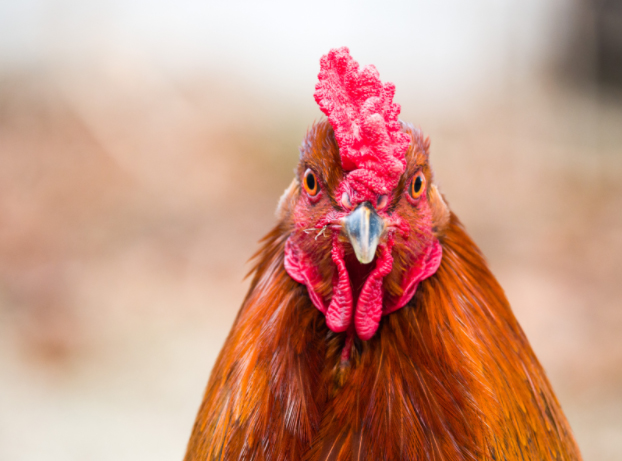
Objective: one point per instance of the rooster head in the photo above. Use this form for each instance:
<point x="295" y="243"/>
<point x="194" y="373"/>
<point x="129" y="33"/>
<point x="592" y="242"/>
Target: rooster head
<point x="362" y="213"/>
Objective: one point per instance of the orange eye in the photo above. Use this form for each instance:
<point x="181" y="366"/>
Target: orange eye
<point x="310" y="183"/>
<point x="417" y="186"/>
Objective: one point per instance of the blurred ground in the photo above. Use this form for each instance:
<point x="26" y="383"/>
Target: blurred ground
<point x="130" y="204"/>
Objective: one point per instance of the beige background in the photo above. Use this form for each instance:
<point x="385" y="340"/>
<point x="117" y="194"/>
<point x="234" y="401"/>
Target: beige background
<point x="143" y="148"/>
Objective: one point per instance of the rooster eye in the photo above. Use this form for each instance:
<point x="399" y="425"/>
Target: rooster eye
<point x="416" y="187"/>
<point x="310" y="183"/>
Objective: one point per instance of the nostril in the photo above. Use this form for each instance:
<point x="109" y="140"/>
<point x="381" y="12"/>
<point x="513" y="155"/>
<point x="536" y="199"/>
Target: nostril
<point x="345" y="201"/>
<point x="382" y="202"/>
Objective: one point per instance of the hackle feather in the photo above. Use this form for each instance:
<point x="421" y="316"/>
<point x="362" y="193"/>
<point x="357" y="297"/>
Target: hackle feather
<point x="451" y="376"/>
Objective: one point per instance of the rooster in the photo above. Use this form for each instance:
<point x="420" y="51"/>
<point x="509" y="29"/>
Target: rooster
<point x="373" y="328"/>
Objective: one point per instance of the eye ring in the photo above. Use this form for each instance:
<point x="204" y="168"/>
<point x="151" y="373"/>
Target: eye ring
<point x="417" y="186"/>
<point x="310" y="183"/>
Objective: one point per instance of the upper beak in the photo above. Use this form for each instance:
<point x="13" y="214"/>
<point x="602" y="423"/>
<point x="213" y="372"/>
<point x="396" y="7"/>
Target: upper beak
<point x="364" y="228"/>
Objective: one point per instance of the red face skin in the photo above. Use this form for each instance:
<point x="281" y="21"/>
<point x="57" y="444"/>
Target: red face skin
<point x="318" y="253"/>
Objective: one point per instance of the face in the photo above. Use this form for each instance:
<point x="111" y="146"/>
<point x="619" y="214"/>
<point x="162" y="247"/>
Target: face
<point x="360" y="258"/>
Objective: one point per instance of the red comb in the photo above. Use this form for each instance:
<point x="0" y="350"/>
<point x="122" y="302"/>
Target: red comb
<point x="364" y="117"/>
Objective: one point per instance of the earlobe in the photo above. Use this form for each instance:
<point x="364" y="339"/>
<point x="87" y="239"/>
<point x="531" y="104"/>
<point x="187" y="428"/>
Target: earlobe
<point x="287" y="200"/>
<point x="440" y="211"/>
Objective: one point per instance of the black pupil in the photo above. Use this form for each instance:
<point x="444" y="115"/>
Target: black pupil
<point x="311" y="181"/>
<point x="418" y="183"/>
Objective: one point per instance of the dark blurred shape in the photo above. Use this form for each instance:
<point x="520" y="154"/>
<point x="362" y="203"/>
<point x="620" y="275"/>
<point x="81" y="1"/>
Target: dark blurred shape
<point x="594" y="49"/>
<point x="609" y="42"/>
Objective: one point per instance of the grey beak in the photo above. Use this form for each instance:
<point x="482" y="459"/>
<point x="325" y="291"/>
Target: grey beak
<point x="364" y="228"/>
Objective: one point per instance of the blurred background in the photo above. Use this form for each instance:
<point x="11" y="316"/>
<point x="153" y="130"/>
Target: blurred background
<point x="144" y="145"/>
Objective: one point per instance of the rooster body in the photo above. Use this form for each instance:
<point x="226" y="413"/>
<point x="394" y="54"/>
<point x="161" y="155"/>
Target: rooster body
<point x="313" y="370"/>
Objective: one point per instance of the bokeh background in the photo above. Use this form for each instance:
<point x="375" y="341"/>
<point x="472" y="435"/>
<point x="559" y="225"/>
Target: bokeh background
<point x="144" y="145"/>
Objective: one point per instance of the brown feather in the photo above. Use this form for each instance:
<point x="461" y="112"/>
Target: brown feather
<point x="449" y="377"/>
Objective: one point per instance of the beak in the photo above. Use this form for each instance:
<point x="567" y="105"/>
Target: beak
<point x="364" y="228"/>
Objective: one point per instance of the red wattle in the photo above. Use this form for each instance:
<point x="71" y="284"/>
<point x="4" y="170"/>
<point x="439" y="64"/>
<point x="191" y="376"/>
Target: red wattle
<point x="300" y="268"/>
<point x="339" y="312"/>
<point x="427" y="264"/>
<point x="369" y="305"/>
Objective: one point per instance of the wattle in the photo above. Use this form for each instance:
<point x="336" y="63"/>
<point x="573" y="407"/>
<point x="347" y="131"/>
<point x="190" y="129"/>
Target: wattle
<point x="340" y="313"/>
